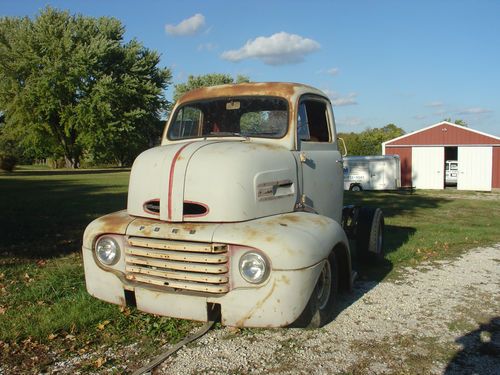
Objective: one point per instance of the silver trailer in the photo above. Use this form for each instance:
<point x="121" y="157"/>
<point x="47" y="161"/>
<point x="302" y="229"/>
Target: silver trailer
<point x="381" y="172"/>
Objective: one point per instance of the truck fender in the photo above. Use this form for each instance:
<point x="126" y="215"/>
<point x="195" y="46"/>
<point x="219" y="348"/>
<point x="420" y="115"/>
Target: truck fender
<point x="290" y="241"/>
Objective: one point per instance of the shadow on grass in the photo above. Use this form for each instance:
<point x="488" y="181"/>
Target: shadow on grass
<point x="480" y="353"/>
<point x="43" y="218"/>
<point x="394" y="203"/>
<point x="63" y="172"/>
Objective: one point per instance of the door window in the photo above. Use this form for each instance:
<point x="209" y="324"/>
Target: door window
<point x="312" y="123"/>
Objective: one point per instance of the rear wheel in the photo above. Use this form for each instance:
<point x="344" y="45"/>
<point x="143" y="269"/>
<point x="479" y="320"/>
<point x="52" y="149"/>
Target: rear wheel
<point x="370" y="234"/>
<point x="356" y="187"/>
<point x="320" y="308"/>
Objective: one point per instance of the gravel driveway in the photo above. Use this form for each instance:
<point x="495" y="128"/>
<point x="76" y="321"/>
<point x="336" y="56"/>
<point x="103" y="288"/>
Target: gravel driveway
<point x="437" y="318"/>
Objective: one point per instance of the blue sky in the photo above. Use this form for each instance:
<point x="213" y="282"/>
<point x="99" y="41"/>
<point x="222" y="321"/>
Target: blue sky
<point x="408" y="63"/>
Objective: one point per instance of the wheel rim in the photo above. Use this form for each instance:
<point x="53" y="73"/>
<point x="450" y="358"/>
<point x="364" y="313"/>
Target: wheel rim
<point x="324" y="285"/>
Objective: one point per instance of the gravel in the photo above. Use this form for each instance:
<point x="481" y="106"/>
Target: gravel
<point x="438" y="318"/>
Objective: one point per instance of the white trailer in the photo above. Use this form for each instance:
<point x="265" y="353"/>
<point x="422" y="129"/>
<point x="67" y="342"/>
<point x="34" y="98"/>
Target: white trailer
<point x="381" y="172"/>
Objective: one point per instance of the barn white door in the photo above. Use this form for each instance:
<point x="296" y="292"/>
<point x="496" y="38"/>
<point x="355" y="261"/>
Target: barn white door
<point x="474" y="168"/>
<point x="427" y="165"/>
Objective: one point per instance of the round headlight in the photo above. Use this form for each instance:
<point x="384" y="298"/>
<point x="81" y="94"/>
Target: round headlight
<point x="253" y="267"/>
<point x="107" y="250"/>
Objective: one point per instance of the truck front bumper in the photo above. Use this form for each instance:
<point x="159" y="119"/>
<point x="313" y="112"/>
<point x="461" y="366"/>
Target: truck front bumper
<point x="276" y="303"/>
<point x="295" y="245"/>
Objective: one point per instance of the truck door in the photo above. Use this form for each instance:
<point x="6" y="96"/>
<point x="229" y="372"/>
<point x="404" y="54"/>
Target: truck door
<point x="318" y="157"/>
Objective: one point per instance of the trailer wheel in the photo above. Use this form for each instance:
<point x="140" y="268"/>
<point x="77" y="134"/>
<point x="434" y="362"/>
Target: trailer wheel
<point x="320" y="308"/>
<point x="370" y="234"/>
<point x="356" y="187"/>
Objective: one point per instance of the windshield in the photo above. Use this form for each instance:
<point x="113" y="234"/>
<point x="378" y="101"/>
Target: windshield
<point x="248" y="116"/>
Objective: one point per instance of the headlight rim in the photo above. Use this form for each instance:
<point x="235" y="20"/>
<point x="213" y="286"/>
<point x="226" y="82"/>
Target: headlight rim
<point x="118" y="253"/>
<point x="266" y="263"/>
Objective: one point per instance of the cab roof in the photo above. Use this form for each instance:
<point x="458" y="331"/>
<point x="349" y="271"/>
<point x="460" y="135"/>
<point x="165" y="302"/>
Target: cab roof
<point x="287" y="90"/>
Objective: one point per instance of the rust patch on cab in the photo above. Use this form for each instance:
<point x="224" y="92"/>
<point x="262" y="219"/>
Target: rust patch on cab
<point x="280" y="89"/>
<point x="116" y="222"/>
<point x="258" y="305"/>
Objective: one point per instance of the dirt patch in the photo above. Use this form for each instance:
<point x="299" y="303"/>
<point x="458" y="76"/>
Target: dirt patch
<point x="433" y="320"/>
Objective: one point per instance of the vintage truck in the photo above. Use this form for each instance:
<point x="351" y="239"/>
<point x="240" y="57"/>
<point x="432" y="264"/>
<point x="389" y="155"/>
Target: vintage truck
<point x="239" y="213"/>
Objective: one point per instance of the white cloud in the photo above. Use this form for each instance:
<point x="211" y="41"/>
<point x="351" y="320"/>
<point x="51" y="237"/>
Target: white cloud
<point x="435" y="104"/>
<point x="474" y="111"/>
<point x="189" y="26"/>
<point x="349" y="122"/>
<point x="332" y="71"/>
<point x="420" y="117"/>
<point x="441" y="112"/>
<point x="278" y="49"/>
<point x="207" y="47"/>
<point x="339" y="100"/>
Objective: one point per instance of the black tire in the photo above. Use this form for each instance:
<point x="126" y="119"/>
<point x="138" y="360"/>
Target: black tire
<point x="320" y="308"/>
<point x="356" y="187"/>
<point x="370" y="234"/>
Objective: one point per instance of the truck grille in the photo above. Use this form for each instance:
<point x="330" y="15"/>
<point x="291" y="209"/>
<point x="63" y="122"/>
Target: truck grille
<point x="194" y="266"/>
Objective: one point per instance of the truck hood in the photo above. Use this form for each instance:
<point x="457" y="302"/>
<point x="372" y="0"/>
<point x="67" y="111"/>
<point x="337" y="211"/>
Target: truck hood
<point x="213" y="181"/>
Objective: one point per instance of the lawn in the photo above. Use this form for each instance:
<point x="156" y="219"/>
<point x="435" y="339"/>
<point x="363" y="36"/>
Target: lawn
<point x="44" y="307"/>
<point x="46" y="314"/>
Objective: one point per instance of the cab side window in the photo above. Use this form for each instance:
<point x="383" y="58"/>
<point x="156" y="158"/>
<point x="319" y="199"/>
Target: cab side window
<point x="302" y="124"/>
<point x="313" y="121"/>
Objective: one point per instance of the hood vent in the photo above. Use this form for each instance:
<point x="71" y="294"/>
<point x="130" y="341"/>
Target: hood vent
<point x="191" y="209"/>
<point x="152" y="206"/>
<point x="195" y="209"/>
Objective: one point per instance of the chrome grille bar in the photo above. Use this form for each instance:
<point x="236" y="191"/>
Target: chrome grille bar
<point x="193" y="266"/>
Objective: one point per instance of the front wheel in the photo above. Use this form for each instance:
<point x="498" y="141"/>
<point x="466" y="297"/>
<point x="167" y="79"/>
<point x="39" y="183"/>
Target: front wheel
<point x="320" y="308"/>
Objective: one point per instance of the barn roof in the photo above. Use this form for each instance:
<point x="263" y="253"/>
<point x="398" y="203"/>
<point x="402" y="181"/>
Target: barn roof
<point x="444" y="133"/>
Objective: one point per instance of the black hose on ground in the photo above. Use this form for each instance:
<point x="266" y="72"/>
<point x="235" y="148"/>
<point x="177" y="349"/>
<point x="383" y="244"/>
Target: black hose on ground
<point x="163" y="356"/>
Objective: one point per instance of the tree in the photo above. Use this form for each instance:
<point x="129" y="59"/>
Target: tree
<point x="457" y="122"/>
<point x="8" y="151"/>
<point x="71" y="86"/>
<point x="214" y="79"/>
<point x="369" y="141"/>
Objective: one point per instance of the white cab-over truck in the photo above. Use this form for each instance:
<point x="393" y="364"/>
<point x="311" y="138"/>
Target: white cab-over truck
<point x="238" y="213"/>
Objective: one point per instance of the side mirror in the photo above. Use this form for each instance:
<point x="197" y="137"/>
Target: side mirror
<point x="343" y="144"/>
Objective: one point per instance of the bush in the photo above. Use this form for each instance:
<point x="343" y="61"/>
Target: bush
<point x="56" y="163"/>
<point x="9" y="149"/>
<point x="7" y="162"/>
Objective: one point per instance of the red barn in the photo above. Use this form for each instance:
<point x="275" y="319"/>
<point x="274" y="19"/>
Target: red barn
<point x="424" y="153"/>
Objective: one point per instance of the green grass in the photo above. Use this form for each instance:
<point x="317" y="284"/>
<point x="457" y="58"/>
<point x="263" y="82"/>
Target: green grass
<point x="43" y="299"/>
<point x="44" y="306"/>
<point x="433" y="224"/>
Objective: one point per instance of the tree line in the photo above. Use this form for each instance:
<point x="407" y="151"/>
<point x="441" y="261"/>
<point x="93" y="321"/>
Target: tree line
<point x="72" y="89"/>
